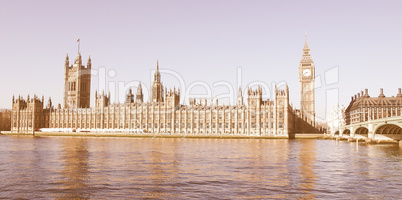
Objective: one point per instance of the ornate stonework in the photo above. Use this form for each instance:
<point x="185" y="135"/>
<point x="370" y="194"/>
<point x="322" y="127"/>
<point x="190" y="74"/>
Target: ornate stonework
<point x="163" y="113"/>
<point x="77" y="83"/>
<point x="363" y="108"/>
<point x="307" y="78"/>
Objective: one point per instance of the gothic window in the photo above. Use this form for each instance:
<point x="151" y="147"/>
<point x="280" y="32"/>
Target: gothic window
<point x="280" y="115"/>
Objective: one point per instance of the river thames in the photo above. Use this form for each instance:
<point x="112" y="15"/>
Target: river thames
<point x="180" y="168"/>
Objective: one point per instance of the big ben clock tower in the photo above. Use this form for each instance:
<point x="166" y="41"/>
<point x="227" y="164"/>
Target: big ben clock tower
<point x="307" y="78"/>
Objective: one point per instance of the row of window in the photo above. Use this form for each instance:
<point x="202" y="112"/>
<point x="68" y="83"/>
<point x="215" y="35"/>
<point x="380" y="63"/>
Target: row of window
<point x="168" y="125"/>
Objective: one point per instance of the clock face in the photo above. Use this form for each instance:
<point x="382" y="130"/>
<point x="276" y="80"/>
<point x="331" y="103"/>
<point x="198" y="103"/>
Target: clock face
<point x="307" y="72"/>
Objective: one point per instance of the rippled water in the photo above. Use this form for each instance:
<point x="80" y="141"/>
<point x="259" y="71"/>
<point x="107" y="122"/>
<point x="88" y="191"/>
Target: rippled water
<point x="166" y="168"/>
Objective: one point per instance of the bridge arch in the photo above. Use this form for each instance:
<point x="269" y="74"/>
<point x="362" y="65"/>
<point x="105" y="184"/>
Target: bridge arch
<point x="388" y="131"/>
<point x="346" y="132"/>
<point x="362" y="131"/>
<point x="336" y="132"/>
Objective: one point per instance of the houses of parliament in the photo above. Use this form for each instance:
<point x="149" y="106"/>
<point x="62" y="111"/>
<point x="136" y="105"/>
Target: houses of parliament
<point x="164" y="113"/>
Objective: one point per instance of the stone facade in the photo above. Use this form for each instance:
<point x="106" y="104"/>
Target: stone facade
<point x="164" y="113"/>
<point x="29" y="115"/>
<point x="365" y="108"/>
<point x="307" y="90"/>
<point x="77" y="83"/>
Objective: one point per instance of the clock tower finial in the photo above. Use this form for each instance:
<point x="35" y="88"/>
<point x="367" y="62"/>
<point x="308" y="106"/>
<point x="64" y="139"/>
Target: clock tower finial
<point x="305" y="43"/>
<point x="157" y="64"/>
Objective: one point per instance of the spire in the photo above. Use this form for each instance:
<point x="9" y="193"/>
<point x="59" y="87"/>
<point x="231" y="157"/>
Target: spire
<point x="49" y="103"/>
<point x="305" y="43"/>
<point x="89" y="62"/>
<point x="239" y="97"/>
<point x="139" y="89"/>
<point x="157" y="74"/>
<point x="67" y="61"/>
<point x="306" y="51"/>
<point x="157" y="65"/>
<point x="139" y="97"/>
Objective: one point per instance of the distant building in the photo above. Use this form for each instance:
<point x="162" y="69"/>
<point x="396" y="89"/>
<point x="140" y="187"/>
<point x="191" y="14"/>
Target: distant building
<point x="336" y="118"/>
<point x="164" y="113"/>
<point x="363" y="108"/>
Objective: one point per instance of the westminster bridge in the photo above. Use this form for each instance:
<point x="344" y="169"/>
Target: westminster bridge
<point x="389" y="128"/>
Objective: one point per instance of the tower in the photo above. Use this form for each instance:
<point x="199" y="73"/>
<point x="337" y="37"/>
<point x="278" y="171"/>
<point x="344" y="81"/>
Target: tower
<point x="172" y="97"/>
<point x="77" y="83"/>
<point x="130" y="96"/>
<point x="307" y="78"/>
<point x="139" y="96"/>
<point x="239" y="97"/>
<point x="157" y="88"/>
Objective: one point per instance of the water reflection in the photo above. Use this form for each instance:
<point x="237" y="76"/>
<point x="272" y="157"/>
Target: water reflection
<point x="307" y="161"/>
<point x="116" y="168"/>
<point x="74" y="181"/>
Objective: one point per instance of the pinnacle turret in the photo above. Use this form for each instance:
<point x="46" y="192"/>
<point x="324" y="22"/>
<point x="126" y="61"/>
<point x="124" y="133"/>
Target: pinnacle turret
<point x="67" y="61"/>
<point x="157" y="74"/>
<point x="139" y="96"/>
<point x="139" y="89"/>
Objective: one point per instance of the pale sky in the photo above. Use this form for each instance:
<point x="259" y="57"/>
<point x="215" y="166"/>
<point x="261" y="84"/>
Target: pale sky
<point x="203" y="41"/>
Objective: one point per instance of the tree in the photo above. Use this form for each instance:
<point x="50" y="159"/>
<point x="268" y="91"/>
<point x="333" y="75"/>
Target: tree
<point x="5" y="120"/>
